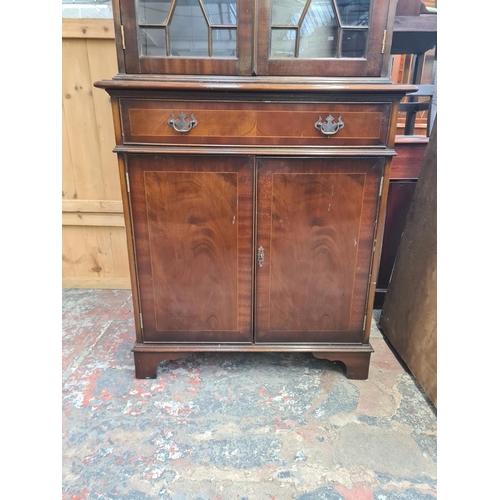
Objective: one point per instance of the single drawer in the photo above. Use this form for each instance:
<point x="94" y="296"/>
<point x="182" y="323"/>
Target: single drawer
<point x="254" y="123"/>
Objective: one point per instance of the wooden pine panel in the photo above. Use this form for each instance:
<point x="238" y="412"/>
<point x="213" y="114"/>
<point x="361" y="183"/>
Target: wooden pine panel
<point x="94" y="206"/>
<point x="102" y="65"/>
<point x="91" y="219"/>
<point x="98" y="246"/>
<point x="74" y="256"/>
<point x="80" y="119"/>
<point x="120" y="254"/>
<point x="91" y="252"/>
<point x="94" y="249"/>
<point x="88" y="28"/>
<point x="108" y="283"/>
<point x="68" y="177"/>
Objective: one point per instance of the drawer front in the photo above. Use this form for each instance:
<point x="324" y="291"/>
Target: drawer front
<point x="254" y="123"/>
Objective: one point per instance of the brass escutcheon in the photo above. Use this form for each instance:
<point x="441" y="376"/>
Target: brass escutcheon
<point x="260" y="256"/>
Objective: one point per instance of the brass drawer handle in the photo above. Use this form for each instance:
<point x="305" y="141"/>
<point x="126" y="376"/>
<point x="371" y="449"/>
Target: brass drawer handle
<point x="260" y="256"/>
<point x="181" y="124"/>
<point x="330" y="127"/>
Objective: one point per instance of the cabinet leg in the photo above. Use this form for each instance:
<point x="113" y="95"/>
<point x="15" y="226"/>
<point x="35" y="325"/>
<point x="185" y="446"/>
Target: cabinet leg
<point x="146" y="363"/>
<point x="357" y="364"/>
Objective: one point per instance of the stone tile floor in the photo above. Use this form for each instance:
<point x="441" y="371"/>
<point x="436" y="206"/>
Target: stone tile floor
<point x="234" y="426"/>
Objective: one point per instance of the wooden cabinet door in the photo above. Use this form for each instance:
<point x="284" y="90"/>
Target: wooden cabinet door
<point x="190" y="37"/>
<point x="315" y="229"/>
<point x="192" y="227"/>
<point x="321" y="37"/>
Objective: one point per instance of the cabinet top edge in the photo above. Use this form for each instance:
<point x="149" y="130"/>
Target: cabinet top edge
<point x="254" y="84"/>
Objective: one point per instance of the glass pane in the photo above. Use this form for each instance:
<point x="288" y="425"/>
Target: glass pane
<point x="188" y="30"/>
<point x="354" y="12"/>
<point x="224" y="43"/>
<point x="286" y="13"/>
<point x="153" y="11"/>
<point x="319" y="31"/>
<point x="153" y="42"/>
<point x="283" y="43"/>
<point x="354" y="43"/>
<point x="221" y="11"/>
<point x="79" y="9"/>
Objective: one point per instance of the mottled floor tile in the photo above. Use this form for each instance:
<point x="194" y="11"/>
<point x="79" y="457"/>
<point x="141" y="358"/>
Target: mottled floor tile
<point x="233" y="425"/>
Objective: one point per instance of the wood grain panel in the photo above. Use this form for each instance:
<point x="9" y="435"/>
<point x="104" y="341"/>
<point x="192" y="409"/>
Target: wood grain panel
<point x="99" y="283"/>
<point x="75" y="261"/>
<point x="93" y="206"/>
<point x="94" y="244"/>
<point x="80" y="120"/>
<point x="121" y="270"/>
<point x="145" y="121"/>
<point x="88" y="28"/>
<point x="68" y="177"/>
<point x="92" y="219"/>
<point x="102" y="64"/>
<point x="307" y="216"/>
<point x="91" y="251"/>
<point x="410" y="154"/>
<point x="193" y="226"/>
<point x="315" y="222"/>
<point x="193" y="249"/>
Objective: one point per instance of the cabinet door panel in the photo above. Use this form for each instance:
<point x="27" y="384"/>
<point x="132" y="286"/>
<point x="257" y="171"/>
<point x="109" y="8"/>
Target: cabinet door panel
<point x="192" y="221"/>
<point x="316" y="220"/>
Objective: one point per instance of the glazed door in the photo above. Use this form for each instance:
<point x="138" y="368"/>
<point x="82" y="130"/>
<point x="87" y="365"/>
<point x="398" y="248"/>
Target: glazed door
<point x="192" y="227"/>
<point x="191" y="37"/>
<point x="321" y="37"/>
<point x="315" y="229"/>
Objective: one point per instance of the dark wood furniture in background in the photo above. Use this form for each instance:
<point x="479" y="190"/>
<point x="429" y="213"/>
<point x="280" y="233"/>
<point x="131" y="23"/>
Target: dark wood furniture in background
<point x="254" y="142"/>
<point x="415" y="33"/>
<point x="405" y="170"/>
<point x="409" y="315"/>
